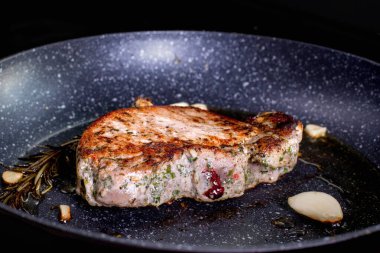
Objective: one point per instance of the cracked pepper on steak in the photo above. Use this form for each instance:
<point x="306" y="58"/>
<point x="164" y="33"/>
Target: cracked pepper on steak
<point x="152" y="155"/>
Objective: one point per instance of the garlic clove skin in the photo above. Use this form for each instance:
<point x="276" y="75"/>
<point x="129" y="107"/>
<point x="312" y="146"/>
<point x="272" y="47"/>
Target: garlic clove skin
<point x="318" y="206"/>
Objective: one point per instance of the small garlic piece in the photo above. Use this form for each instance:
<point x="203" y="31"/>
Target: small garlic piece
<point x="315" y="131"/>
<point x="200" y="106"/>
<point x="318" y="206"/>
<point x="11" y="177"/>
<point x="65" y="213"/>
<point x="143" y="102"/>
<point x="182" y="104"/>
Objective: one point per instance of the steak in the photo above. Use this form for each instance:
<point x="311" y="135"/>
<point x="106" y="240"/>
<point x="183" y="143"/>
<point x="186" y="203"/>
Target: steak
<point x="152" y="155"/>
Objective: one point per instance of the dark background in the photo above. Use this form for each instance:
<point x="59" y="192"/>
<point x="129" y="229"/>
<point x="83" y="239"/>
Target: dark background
<point x="350" y="26"/>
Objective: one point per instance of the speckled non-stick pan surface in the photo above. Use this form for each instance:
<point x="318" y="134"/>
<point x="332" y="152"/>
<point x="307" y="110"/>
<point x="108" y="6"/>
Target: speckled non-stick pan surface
<point x="50" y="94"/>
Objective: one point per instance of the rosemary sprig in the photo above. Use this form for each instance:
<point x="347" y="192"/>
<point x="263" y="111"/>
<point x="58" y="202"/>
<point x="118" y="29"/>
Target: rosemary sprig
<point x="38" y="172"/>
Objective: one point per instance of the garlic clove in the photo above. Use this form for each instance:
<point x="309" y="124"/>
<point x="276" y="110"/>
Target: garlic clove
<point x="11" y="177"/>
<point x="319" y="206"/>
<point x="200" y="106"/>
<point x="181" y="104"/>
<point x="65" y="213"/>
<point x="143" y="102"/>
<point x="315" y="131"/>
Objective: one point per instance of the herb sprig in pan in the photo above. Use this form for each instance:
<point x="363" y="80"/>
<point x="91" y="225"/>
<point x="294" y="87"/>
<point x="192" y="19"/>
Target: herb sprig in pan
<point x="35" y="175"/>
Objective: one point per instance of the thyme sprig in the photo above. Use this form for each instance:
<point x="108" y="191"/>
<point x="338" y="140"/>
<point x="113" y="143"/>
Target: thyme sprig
<point x="38" y="171"/>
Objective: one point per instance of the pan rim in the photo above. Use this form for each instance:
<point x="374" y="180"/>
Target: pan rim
<point x="200" y="32"/>
<point x="107" y="239"/>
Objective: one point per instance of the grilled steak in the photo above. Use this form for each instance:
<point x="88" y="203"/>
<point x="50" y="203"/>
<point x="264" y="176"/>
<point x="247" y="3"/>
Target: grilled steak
<point x="155" y="154"/>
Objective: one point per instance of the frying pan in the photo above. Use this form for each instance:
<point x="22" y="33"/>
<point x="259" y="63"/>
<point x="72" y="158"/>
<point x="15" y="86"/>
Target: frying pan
<point x="51" y="93"/>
